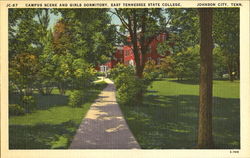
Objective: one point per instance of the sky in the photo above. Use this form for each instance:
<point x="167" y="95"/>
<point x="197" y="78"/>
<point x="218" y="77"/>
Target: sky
<point x="53" y="19"/>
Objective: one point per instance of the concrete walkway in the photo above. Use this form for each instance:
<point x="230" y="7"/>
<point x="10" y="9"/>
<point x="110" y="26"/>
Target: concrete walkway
<point x="104" y="126"/>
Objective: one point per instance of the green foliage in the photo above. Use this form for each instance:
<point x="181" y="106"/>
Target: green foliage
<point x="183" y="64"/>
<point x="151" y="72"/>
<point x="226" y="29"/>
<point x="29" y="38"/>
<point x="72" y="68"/>
<point x="120" y="69"/>
<point x="99" y="73"/>
<point x="83" y="74"/>
<point x="226" y="35"/>
<point x="128" y="89"/>
<point x="42" y="59"/>
<point x="184" y="28"/>
<point x="23" y="69"/>
<point x="127" y="84"/>
<point x="45" y="77"/>
<point x="94" y="30"/>
<point x="28" y="103"/>
<point x="184" y="33"/>
<point x="76" y="98"/>
<point x="15" y="109"/>
<point x="150" y="21"/>
<point x="167" y="66"/>
<point x="219" y="63"/>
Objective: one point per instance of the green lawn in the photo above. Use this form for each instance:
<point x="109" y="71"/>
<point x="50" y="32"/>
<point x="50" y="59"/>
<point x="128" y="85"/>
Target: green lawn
<point x="52" y="125"/>
<point x="169" y="117"/>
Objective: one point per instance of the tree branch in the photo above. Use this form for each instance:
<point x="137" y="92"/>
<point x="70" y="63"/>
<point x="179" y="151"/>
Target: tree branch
<point x="168" y="22"/>
<point x="120" y="17"/>
<point x="124" y="36"/>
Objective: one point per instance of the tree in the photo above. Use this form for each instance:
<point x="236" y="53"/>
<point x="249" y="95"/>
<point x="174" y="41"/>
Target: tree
<point x="167" y="66"/>
<point x="96" y="32"/>
<point x="219" y="63"/>
<point x="139" y="27"/>
<point x="226" y="35"/>
<point x="182" y="64"/>
<point x="182" y="43"/>
<point x="67" y="47"/>
<point x="205" y="137"/>
<point x="142" y="26"/>
<point x="45" y="78"/>
<point x="79" y="44"/>
<point x="184" y="29"/>
<point x="21" y="30"/>
<point x="26" y="44"/>
<point x="23" y="69"/>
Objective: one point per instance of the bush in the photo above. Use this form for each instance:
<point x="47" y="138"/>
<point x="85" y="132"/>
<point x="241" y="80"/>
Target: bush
<point x="162" y="75"/>
<point x="15" y="109"/>
<point x="121" y="69"/>
<point x="83" y="75"/>
<point x="28" y="103"/>
<point x="151" y="72"/>
<point x="76" y="98"/>
<point x="128" y="89"/>
<point x="184" y="64"/>
<point x="127" y="84"/>
<point x="99" y="73"/>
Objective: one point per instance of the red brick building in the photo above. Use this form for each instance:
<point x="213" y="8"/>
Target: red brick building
<point x="125" y="55"/>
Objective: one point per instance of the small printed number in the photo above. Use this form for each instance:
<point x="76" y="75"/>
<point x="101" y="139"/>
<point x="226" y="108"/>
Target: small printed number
<point x="234" y="151"/>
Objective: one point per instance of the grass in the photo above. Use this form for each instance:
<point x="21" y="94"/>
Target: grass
<point x="169" y="117"/>
<point x="52" y="124"/>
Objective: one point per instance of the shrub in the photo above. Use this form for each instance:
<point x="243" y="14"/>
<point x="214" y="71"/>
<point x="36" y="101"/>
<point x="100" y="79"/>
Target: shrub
<point x="121" y="69"/>
<point x="15" y="109"/>
<point x="99" y="73"/>
<point x="83" y="75"/>
<point x="151" y="72"/>
<point x="162" y="75"/>
<point x="28" y="103"/>
<point x="128" y="89"/>
<point x="184" y="64"/>
<point x="127" y="84"/>
<point x="76" y="98"/>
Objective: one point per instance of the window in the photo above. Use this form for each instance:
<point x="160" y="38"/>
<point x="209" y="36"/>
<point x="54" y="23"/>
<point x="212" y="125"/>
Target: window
<point x="127" y="52"/>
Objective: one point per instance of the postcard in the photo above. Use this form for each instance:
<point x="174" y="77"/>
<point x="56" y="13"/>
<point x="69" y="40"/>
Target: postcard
<point x="125" y="78"/>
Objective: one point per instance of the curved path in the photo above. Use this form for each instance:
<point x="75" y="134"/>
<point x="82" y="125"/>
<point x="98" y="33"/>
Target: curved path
<point x="104" y="126"/>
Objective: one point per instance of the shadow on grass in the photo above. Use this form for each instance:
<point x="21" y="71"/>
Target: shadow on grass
<point x="190" y="82"/>
<point x="49" y="136"/>
<point x="45" y="102"/>
<point x="170" y="122"/>
<point x="41" y="136"/>
<point x="159" y="79"/>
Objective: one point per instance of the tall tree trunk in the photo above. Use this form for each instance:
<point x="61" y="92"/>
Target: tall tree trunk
<point x="205" y="138"/>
